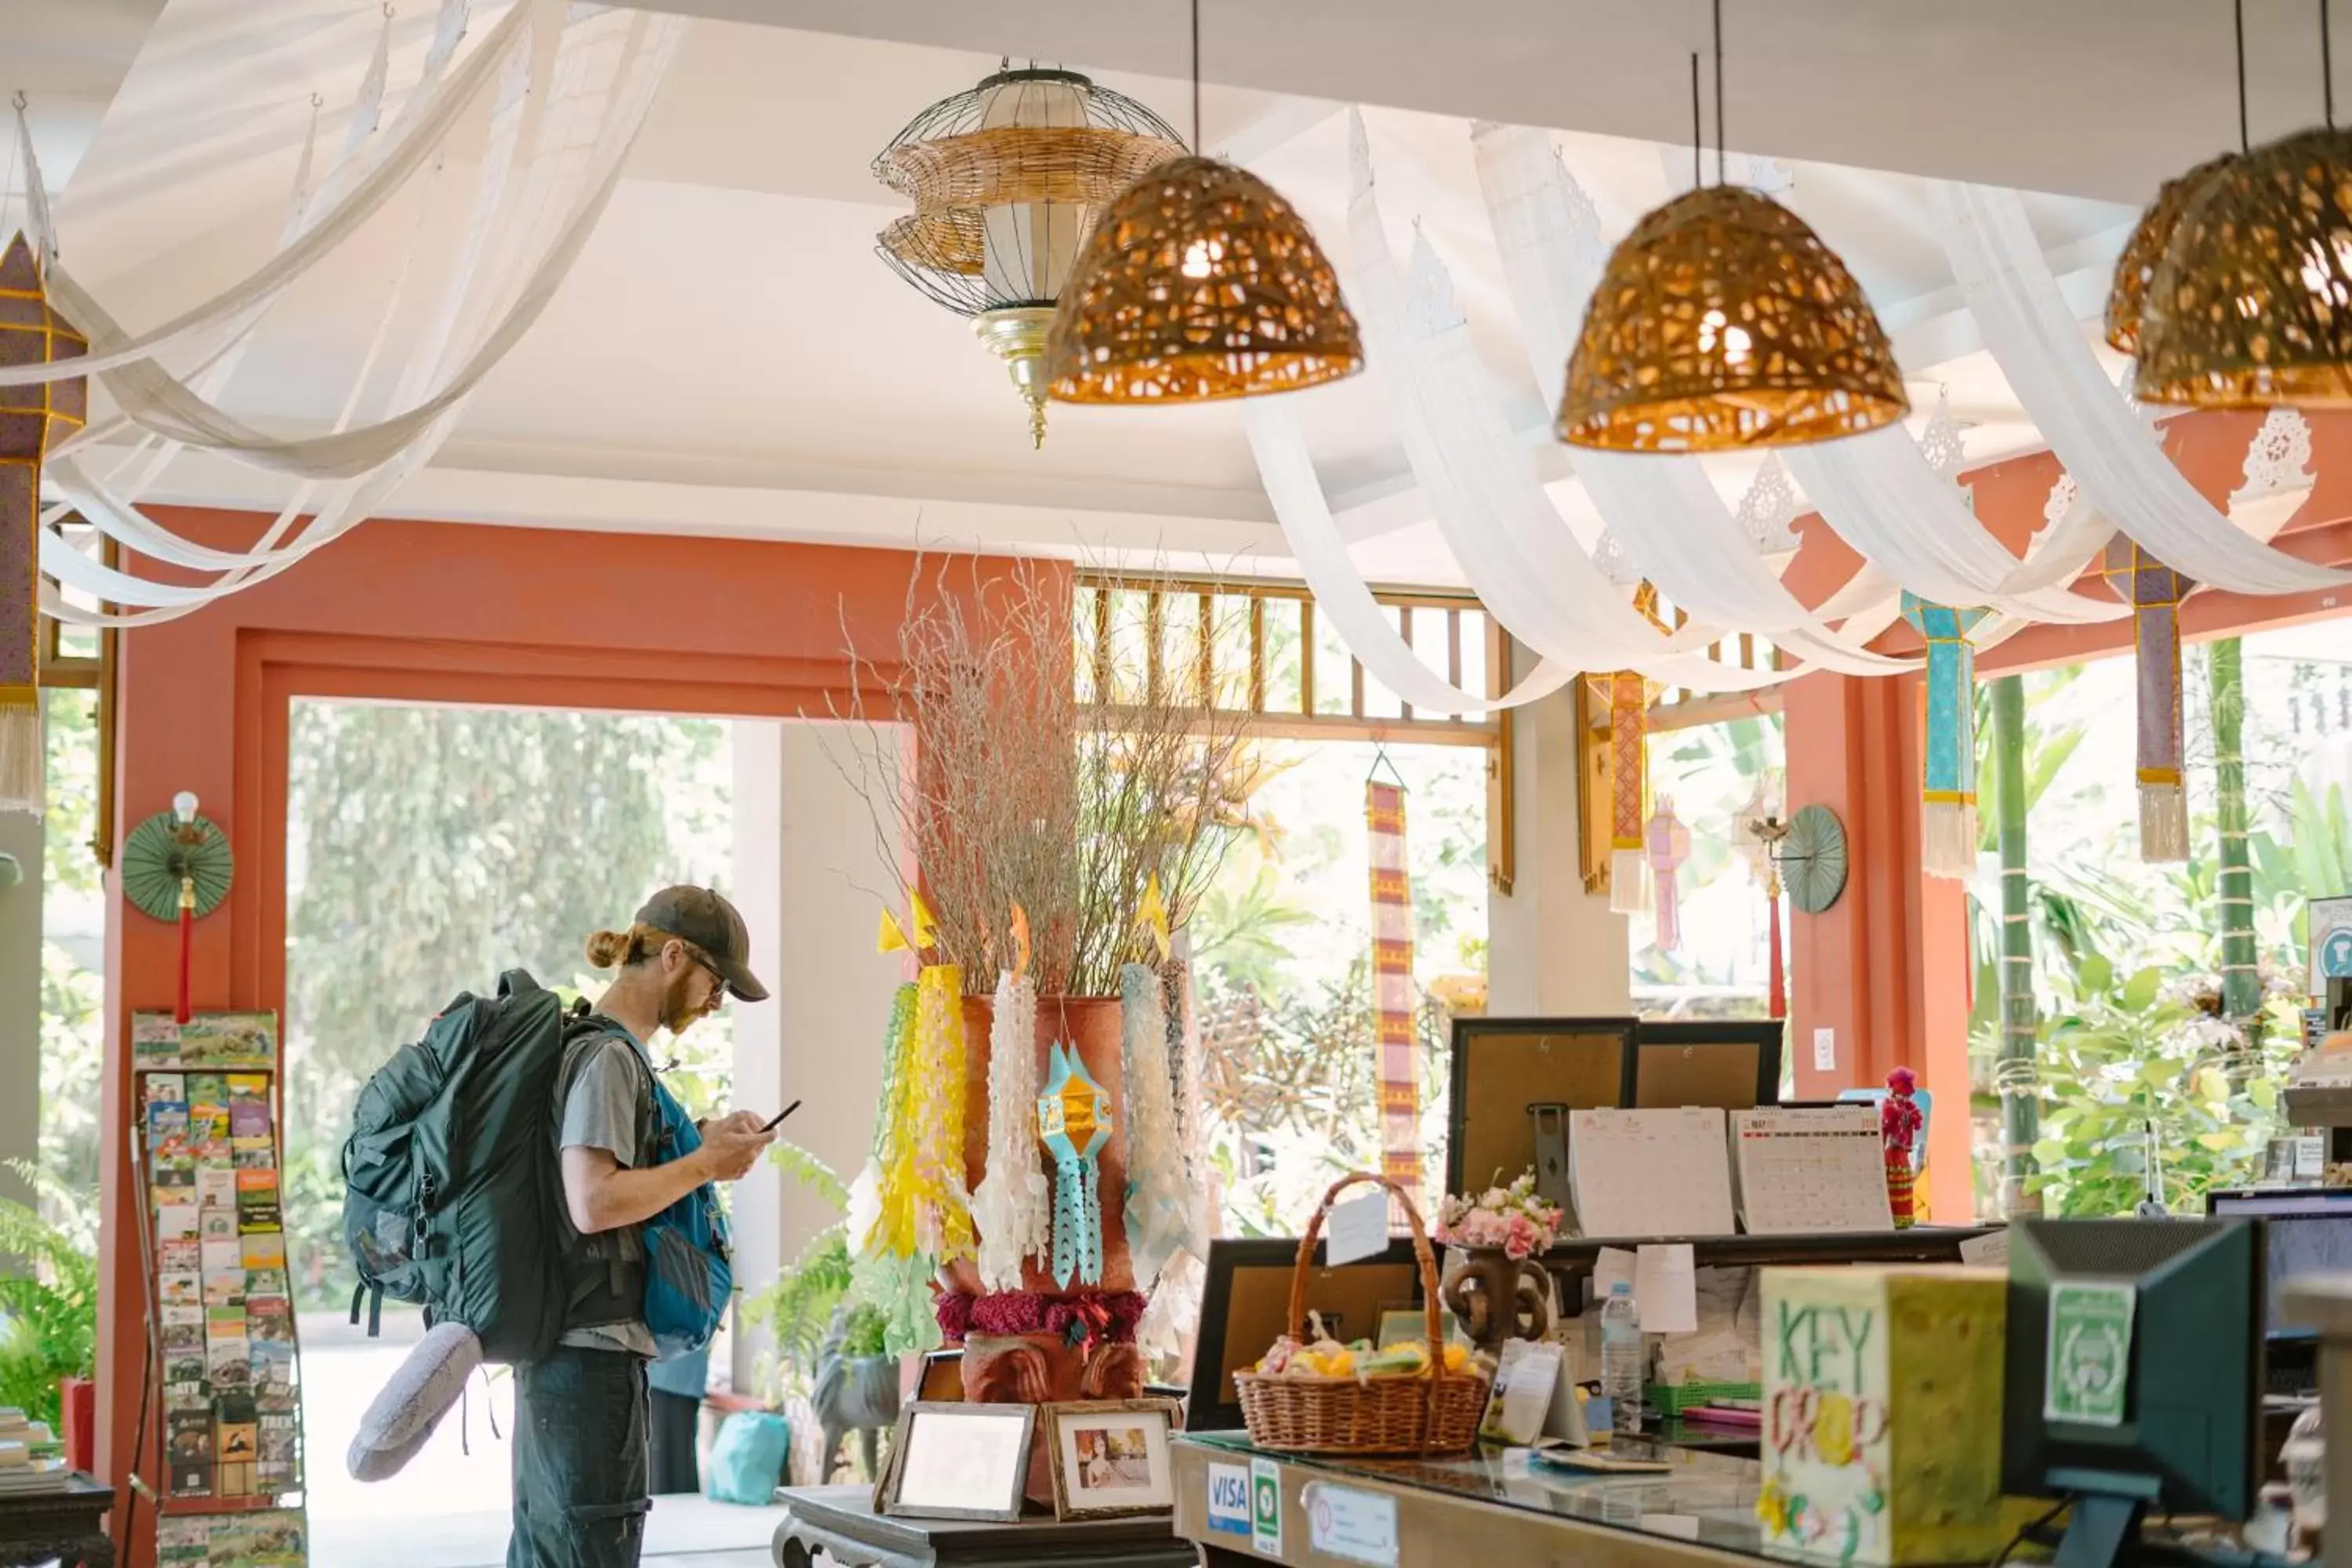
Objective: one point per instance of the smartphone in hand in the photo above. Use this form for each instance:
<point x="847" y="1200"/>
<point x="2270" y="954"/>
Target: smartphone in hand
<point x="787" y="1110"/>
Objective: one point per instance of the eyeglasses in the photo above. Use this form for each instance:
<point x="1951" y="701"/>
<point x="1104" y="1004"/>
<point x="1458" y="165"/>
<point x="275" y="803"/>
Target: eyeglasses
<point x="696" y="954"/>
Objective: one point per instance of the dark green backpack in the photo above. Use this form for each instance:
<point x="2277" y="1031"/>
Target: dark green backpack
<point x="453" y="1194"/>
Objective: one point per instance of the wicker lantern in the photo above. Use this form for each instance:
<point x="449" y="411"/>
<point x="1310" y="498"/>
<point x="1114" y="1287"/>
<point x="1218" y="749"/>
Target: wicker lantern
<point x="1008" y="180"/>
<point x="1201" y="282"/>
<point x="2136" y="268"/>
<point x="1723" y="321"/>
<point x="2252" y="306"/>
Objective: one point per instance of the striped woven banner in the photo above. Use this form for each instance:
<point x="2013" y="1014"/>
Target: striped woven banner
<point x="1399" y="1045"/>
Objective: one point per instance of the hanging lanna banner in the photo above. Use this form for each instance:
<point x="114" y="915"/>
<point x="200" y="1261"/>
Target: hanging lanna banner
<point x="1947" y="786"/>
<point x="1395" y="1038"/>
<point x="2155" y="591"/>
<point x="32" y="420"/>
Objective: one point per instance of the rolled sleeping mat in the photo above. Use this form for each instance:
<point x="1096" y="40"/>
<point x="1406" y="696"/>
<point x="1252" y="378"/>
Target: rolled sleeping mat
<point x="418" y="1393"/>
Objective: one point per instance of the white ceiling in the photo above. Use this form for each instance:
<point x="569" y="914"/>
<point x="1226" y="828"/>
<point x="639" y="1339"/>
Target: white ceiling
<point x="729" y="355"/>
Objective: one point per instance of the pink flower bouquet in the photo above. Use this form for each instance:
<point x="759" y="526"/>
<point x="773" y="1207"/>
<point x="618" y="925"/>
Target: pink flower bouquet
<point x="1512" y="1219"/>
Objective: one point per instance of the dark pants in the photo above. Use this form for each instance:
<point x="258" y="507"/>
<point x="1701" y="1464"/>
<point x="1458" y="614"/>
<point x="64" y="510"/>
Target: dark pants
<point x="578" y="1460"/>
<point x="676" y="1419"/>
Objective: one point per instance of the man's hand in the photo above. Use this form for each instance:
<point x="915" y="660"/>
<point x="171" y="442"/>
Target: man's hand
<point x="733" y="1145"/>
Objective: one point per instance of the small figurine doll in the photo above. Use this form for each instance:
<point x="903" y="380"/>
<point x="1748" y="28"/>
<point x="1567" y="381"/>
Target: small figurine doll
<point x="1898" y="1124"/>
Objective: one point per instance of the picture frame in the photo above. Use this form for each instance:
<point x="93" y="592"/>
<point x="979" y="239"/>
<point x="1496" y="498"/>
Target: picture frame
<point x="959" y="1461"/>
<point x="1109" y="1458"/>
<point x="1504" y="1067"/>
<point x="1731" y="1064"/>
<point x="1247" y="1303"/>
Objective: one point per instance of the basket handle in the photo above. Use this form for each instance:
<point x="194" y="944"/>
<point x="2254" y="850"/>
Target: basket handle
<point x="1433" y="1324"/>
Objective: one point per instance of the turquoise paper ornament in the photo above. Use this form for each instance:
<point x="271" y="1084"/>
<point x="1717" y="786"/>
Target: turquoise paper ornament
<point x="1074" y="1122"/>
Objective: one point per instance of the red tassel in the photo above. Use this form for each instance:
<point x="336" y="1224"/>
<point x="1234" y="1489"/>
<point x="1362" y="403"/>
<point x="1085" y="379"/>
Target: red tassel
<point x="187" y="933"/>
<point x="1779" y="994"/>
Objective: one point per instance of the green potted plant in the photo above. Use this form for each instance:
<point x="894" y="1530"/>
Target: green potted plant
<point x="829" y="1348"/>
<point x="48" y="1299"/>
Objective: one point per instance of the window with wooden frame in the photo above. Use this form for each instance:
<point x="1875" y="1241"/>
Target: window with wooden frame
<point x="1260" y="650"/>
<point x="81" y="659"/>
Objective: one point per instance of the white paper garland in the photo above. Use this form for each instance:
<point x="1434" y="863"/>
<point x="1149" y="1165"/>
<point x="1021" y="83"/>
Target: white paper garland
<point x="1158" y="1206"/>
<point x="1013" y="1208"/>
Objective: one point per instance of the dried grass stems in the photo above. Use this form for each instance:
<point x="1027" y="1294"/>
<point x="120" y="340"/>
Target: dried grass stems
<point x="1017" y="791"/>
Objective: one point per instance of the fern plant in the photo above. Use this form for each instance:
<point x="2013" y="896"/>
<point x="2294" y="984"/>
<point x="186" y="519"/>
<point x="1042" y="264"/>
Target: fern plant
<point x="48" y="1296"/>
<point x="798" y="1307"/>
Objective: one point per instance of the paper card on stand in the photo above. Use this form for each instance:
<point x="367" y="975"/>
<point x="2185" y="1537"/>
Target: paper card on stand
<point x="1356" y="1230"/>
<point x="1665" y="1289"/>
<point x="1615" y="1263"/>
<point x="1987" y="1250"/>
<point x="1821" y="1168"/>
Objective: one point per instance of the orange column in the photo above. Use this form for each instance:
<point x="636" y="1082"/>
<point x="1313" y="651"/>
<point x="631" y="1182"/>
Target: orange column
<point x="1884" y="970"/>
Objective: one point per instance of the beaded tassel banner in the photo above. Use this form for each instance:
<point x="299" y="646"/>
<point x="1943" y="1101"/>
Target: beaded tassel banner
<point x="1013" y="1208"/>
<point x="1948" y="789"/>
<point x="895" y="1284"/>
<point x="32" y="420"/>
<point x="1630" y="889"/>
<point x="1668" y="846"/>
<point x="1074" y="1120"/>
<point x="1393" y="1035"/>
<point x="2155" y="591"/>
<point x="1158" y="1206"/>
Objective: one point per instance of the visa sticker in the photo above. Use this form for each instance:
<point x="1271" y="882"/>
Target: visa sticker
<point x="1229" y="1499"/>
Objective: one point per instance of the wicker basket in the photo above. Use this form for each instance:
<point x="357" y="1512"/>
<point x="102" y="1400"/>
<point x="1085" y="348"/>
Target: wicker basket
<point x="1434" y="1415"/>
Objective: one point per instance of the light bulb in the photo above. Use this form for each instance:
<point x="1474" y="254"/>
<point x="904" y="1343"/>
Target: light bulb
<point x="1713" y="327"/>
<point x="183" y="806"/>
<point x="1201" y="255"/>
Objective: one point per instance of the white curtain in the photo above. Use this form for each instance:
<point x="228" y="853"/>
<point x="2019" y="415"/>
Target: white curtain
<point x="2055" y="374"/>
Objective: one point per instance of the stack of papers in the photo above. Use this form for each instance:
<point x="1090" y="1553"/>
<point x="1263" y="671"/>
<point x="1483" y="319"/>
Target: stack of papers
<point x="30" y="1456"/>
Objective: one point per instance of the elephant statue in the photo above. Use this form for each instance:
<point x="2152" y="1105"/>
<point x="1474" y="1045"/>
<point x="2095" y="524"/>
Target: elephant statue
<point x="853" y="1394"/>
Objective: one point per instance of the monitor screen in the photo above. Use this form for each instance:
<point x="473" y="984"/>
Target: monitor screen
<point x="2309" y="1232"/>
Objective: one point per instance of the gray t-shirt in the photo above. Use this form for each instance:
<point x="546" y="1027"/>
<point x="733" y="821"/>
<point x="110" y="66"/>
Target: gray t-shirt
<point x="601" y="1112"/>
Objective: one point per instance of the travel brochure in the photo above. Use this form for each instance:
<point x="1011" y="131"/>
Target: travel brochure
<point x="215" y="1041"/>
<point x="232" y="1426"/>
<point x="270" y="1537"/>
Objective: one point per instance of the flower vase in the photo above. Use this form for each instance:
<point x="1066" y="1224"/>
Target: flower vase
<point x="1498" y="1298"/>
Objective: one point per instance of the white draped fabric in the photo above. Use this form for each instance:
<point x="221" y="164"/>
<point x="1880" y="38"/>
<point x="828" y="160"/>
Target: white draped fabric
<point x="424" y="138"/>
<point x="603" y="78"/>
<point x="2041" y="351"/>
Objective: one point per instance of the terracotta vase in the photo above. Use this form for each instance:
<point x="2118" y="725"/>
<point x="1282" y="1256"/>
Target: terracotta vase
<point x="1497" y="1296"/>
<point x="1093" y="1024"/>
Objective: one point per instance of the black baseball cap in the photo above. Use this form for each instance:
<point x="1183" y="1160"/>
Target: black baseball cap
<point x="701" y="917"/>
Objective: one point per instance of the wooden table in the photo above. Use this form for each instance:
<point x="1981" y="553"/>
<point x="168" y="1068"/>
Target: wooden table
<point x="68" y="1526"/>
<point x="841" y="1523"/>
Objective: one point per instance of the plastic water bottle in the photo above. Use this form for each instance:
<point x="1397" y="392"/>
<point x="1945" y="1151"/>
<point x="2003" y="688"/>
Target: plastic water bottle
<point x="1622" y="1353"/>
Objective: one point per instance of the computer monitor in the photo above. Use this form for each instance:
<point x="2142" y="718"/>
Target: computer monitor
<point x="2134" y="1372"/>
<point x="2307" y="1230"/>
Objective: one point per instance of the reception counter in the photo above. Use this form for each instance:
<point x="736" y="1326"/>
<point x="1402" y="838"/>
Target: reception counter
<point x="1488" y="1507"/>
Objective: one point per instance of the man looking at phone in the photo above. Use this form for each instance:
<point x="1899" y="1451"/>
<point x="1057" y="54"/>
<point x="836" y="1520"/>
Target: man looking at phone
<point x="580" y="1472"/>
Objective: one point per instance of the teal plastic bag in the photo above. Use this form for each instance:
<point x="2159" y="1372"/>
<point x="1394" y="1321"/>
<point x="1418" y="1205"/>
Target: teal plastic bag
<point x="747" y="1459"/>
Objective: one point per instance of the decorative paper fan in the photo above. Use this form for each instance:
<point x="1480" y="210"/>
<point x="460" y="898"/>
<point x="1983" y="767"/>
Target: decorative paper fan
<point x="1813" y="858"/>
<point x="161" y="851"/>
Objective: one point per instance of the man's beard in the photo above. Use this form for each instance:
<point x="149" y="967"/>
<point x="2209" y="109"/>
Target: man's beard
<point x="677" y="1016"/>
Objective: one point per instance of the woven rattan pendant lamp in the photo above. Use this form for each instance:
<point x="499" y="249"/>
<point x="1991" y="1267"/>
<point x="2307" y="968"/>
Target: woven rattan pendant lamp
<point x="1201" y="282"/>
<point x="1723" y="321"/>
<point x="2252" y="305"/>
<point x="1008" y="179"/>
<point x="2145" y="251"/>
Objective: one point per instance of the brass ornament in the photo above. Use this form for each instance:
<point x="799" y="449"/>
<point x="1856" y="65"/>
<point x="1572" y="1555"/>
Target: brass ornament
<point x="1200" y="282"/>
<point x="1723" y="321"/>
<point x="2136" y="268"/>
<point x="2252" y="306"/>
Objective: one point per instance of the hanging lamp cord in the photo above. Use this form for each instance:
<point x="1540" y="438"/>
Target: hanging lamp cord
<point x="2237" y="14"/>
<point x="1718" y="90"/>
<point x="1698" y="126"/>
<point x="2326" y="66"/>
<point x="1196" y="78"/>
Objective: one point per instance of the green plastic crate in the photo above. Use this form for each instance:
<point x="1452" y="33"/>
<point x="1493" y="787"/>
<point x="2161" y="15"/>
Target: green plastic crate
<point x="1673" y="1399"/>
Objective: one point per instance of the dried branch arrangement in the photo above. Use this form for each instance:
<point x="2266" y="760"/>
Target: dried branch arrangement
<point x="1016" y="791"/>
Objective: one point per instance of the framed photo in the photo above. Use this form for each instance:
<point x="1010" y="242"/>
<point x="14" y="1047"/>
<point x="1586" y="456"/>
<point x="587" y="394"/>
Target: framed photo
<point x="1109" y="1458"/>
<point x="959" y="1461"/>
<point x="1247" y="1303"/>
<point x="1507" y="1069"/>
